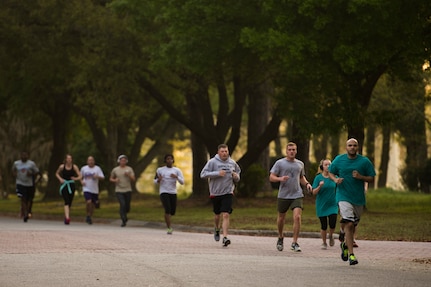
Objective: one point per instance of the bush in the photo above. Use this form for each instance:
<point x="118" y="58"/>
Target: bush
<point x="252" y="181"/>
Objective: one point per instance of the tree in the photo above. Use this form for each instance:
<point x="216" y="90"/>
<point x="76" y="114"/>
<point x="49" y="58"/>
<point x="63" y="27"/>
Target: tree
<point x="343" y="47"/>
<point x="209" y="72"/>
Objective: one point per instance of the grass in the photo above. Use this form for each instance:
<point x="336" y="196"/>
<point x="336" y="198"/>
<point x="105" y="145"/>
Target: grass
<point x="390" y="215"/>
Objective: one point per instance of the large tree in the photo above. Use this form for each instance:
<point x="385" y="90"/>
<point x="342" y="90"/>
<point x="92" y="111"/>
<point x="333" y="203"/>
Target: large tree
<point x="208" y="72"/>
<point x="344" y="47"/>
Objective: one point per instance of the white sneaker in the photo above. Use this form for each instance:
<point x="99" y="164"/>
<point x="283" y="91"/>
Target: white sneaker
<point x="331" y="241"/>
<point x="324" y="246"/>
<point x="295" y="247"/>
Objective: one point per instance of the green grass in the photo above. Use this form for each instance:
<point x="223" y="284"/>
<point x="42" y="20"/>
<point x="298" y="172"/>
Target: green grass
<point x="390" y="215"/>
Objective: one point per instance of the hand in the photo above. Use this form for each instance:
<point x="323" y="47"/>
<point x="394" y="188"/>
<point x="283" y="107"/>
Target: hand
<point x="356" y="174"/>
<point x="222" y="173"/>
<point x="173" y="175"/>
<point x="284" y="178"/>
<point x="321" y="183"/>
<point x="339" y="180"/>
<point x="235" y="175"/>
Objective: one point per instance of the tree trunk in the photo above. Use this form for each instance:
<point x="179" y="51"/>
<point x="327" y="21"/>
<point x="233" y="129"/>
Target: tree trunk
<point x="335" y="145"/>
<point x="200" y="157"/>
<point x="369" y="143"/>
<point x="303" y="146"/>
<point x="320" y="146"/>
<point x="258" y="116"/>
<point x="384" y="157"/>
<point x="60" y="126"/>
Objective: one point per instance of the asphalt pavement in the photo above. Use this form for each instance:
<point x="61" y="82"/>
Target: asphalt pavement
<point x="49" y="253"/>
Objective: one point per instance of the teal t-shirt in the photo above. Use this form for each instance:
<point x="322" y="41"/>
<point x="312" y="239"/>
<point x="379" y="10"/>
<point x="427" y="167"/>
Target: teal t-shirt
<point x="351" y="189"/>
<point x="325" y="199"/>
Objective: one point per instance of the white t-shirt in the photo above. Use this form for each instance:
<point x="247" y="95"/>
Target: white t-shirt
<point x="91" y="184"/>
<point x="168" y="184"/>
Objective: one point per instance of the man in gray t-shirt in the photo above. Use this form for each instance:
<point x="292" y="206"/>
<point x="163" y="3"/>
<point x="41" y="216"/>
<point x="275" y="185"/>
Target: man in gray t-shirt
<point x="26" y="173"/>
<point x="289" y="172"/>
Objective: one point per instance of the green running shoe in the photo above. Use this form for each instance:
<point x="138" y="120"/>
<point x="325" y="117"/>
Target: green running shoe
<point x="353" y="260"/>
<point x="344" y="252"/>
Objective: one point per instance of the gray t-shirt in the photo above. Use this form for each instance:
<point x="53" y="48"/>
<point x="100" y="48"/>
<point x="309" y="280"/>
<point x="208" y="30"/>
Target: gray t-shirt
<point x="290" y="189"/>
<point x="25" y="172"/>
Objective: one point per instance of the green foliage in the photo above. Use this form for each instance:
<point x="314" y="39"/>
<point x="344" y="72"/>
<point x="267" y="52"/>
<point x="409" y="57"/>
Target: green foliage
<point x="252" y="181"/>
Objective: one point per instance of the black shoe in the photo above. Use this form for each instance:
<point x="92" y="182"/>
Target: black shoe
<point x="25" y="218"/>
<point x="123" y="224"/>
<point x="88" y="220"/>
<point x="226" y="241"/>
<point x="280" y="244"/>
<point x="217" y="234"/>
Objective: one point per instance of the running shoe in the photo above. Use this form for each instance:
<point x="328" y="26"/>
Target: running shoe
<point x="66" y="221"/>
<point x="341" y="236"/>
<point x="324" y="246"/>
<point x="355" y="244"/>
<point x="344" y="251"/>
<point x="353" y="260"/>
<point x="88" y="220"/>
<point x="280" y="244"/>
<point x="170" y="230"/>
<point x="216" y="234"/>
<point x="226" y="241"/>
<point x="29" y="215"/>
<point x="295" y="247"/>
<point x="331" y="241"/>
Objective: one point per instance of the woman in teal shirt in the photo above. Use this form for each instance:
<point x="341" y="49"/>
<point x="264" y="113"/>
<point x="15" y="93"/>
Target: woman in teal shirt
<point x="326" y="205"/>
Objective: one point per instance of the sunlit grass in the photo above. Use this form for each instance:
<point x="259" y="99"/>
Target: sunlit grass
<point x="390" y="215"/>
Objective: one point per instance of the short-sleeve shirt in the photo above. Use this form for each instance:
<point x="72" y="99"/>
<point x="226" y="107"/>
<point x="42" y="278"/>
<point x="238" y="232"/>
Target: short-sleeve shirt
<point x="24" y="172"/>
<point x="91" y="184"/>
<point x="124" y="184"/>
<point x="326" y="203"/>
<point x="351" y="189"/>
<point x="290" y="189"/>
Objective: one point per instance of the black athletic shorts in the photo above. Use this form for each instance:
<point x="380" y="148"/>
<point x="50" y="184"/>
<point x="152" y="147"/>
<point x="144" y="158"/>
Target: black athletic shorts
<point x="222" y="203"/>
<point x="169" y="201"/>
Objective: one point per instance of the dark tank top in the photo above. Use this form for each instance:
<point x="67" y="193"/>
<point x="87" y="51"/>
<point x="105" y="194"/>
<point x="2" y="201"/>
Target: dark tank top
<point x="68" y="173"/>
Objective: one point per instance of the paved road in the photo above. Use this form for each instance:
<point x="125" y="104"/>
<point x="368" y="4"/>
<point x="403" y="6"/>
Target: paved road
<point x="49" y="253"/>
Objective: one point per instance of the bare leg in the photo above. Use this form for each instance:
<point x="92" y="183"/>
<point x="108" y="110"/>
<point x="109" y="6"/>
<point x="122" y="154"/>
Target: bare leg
<point x="349" y="229"/>
<point x="225" y="223"/>
<point x="217" y="221"/>
<point x="297" y="212"/>
<point x="90" y="208"/>
<point x="67" y="211"/>
<point x="168" y="220"/>
<point x="331" y="232"/>
<point x="24" y="208"/>
<point x="280" y="224"/>
<point x="323" y="234"/>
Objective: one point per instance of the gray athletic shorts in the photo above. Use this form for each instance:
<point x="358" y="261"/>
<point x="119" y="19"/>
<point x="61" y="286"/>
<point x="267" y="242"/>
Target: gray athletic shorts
<point x="350" y="212"/>
<point x="283" y="205"/>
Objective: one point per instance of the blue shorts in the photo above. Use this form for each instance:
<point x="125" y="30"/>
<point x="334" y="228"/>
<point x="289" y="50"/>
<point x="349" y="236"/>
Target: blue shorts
<point x="94" y="197"/>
